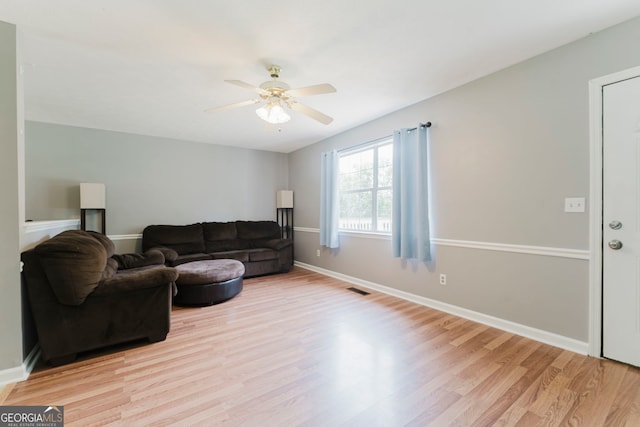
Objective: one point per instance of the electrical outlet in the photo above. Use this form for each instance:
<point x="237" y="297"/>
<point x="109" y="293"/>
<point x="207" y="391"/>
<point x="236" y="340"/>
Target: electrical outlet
<point x="443" y="279"/>
<point x="317" y="252"/>
<point x="574" y="204"/>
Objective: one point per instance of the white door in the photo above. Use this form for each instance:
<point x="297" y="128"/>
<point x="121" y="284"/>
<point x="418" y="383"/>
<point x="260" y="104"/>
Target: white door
<point x="621" y="221"/>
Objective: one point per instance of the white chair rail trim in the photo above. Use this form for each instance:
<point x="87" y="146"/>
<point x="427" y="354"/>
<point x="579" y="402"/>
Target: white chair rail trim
<point x="488" y="246"/>
<point x="125" y="236"/>
<point x="37" y="226"/>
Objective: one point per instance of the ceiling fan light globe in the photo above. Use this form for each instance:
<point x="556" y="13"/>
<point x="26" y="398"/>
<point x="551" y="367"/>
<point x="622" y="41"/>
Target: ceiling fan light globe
<point x="273" y="113"/>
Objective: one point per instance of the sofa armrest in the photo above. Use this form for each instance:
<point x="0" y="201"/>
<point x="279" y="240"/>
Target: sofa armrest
<point x="278" y="244"/>
<point x="135" y="279"/>
<point x="150" y="257"/>
<point x="170" y="255"/>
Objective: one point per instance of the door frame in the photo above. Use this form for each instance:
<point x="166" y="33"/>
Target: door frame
<point x="595" y="203"/>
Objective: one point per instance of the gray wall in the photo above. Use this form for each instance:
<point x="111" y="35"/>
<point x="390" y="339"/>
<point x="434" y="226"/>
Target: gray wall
<point x="505" y="152"/>
<point x="149" y="180"/>
<point x="10" y="314"/>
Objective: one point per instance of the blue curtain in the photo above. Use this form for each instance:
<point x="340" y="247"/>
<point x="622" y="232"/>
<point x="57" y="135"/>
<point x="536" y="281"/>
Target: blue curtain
<point x="329" y="200"/>
<point x="410" y="225"/>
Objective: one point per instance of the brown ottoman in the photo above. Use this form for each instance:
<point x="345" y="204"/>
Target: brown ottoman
<point x="208" y="282"/>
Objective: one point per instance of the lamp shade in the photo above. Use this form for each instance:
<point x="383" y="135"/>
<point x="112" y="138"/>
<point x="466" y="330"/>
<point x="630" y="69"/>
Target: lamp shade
<point x="92" y="195"/>
<point x="284" y="199"/>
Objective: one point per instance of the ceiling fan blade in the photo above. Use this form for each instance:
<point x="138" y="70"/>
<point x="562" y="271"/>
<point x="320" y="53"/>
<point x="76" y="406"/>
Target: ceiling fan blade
<point x="311" y="90"/>
<point x="308" y="111"/>
<point x="230" y="106"/>
<point x="248" y="86"/>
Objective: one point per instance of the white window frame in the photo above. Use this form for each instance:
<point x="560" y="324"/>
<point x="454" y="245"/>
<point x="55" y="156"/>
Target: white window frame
<point x="373" y="145"/>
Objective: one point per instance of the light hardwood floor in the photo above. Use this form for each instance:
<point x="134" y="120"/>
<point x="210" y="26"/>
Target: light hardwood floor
<point x="300" y="349"/>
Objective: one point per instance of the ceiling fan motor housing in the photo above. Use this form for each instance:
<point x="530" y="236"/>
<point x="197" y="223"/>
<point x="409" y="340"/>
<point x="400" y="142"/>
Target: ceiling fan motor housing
<point x="275" y="88"/>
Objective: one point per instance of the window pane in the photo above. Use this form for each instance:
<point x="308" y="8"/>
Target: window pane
<point x="384" y="211"/>
<point x="385" y="165"/>
<point x="364" y="184"/>
<point x="356" y="211"/>
<point x="356" y="171"/>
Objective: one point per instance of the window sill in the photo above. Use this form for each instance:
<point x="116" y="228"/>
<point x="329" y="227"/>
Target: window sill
<point x="366" y="234"/>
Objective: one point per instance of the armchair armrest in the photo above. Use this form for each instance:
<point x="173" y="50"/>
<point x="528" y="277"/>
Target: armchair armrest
<point x="150" y="257"/>
<point x="170" y="255"/>
<point x="136" y="278"/>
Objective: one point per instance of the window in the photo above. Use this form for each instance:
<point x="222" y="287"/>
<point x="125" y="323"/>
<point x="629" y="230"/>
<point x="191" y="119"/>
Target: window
<point x="364" y="185"/>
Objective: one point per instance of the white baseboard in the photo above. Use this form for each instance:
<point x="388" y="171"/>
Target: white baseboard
<point x="20" y="373"/>
<point x="495" y="322"/>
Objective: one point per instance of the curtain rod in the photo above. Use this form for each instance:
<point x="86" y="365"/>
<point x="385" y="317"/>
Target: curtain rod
<point x="422" y="125"/>
<point x="425" y="125"/>
<point x="355" y="147"/>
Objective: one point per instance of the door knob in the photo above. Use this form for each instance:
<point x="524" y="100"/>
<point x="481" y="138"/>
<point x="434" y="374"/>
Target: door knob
<point x="615" y="244"/>
<point x="615" y="225"/>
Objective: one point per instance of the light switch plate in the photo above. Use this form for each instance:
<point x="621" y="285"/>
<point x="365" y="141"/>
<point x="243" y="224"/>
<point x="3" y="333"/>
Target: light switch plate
<point x="574" y="204"/>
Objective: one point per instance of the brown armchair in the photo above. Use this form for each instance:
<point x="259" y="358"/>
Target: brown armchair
<point x="83" y="297"/>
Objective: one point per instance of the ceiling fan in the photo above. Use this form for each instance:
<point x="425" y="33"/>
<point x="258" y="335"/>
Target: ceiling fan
<point x="276" y="95"/>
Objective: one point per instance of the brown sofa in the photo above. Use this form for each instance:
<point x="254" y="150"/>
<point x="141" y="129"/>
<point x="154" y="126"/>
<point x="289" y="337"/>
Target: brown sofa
<point x="257" y="244"/>
<point x="83" y="297"/>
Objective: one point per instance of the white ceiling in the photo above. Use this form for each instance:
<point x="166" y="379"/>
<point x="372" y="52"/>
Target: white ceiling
<point x="153" y="66"/>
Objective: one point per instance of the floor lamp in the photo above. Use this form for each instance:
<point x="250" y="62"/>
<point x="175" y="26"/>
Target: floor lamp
<point x="284" y="213"/>
<point x="92" y="197"/>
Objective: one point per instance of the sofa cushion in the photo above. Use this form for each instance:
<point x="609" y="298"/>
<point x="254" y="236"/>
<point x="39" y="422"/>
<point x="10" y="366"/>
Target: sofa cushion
<point x="222" y="236"/>
<point x="219" y="231"/>
<point x="74" y="263"/>
<point x="226" y="245"/>
<point x="184" y="239"/>
<point x="257" y="230"/>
